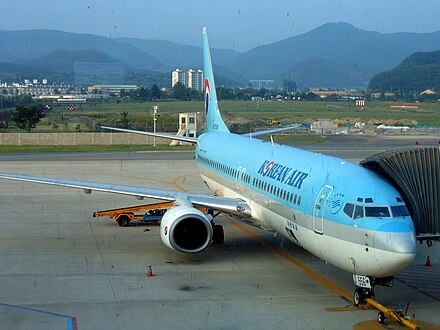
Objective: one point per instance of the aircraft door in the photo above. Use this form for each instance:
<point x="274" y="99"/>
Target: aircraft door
<point x="241" y="171"/>
<point x="318" y="211"/>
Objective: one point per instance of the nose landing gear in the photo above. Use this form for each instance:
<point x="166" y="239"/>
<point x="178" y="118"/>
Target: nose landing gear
<point x="361" y="295"/>
<point x="365" y="289"/>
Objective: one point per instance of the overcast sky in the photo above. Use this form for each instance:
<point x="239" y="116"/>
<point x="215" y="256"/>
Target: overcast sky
<point x="235" y="24"/>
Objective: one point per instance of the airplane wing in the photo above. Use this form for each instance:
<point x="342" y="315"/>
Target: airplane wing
<point x="227" y="205"/>
<point x="271" y="131"/>
<point x="160" y="135"/>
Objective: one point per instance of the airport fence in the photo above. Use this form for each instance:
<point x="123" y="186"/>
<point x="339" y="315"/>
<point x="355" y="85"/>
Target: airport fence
<point x="76" y="139"/>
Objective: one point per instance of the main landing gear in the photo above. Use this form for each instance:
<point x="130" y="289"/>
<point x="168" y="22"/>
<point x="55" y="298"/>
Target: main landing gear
<point x="218" y="234"/>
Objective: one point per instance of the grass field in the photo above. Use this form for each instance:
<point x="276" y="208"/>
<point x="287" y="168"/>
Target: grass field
<point x="254" y="114"/>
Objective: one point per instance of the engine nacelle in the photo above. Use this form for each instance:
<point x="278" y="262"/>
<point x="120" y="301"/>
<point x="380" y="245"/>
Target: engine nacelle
<point x="186" y="229"/>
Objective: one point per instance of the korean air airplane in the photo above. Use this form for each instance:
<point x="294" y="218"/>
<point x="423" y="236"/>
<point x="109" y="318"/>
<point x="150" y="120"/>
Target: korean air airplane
<point x="340" y="211"/>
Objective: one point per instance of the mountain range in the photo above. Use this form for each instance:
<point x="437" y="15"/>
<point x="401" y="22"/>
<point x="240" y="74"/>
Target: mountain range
<point x="332" y="55"/>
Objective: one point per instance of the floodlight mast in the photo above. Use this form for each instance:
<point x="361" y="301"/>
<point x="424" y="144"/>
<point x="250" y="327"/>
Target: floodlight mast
<point x="154" y="111"/>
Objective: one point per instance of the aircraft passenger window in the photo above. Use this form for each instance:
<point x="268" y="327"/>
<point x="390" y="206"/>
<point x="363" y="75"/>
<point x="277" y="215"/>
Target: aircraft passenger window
<point x="294" y="199"/>
<point x="399" y="199"/>
<point x="358" y="212"/>
<point x="399" y="211"/>
<point x="348" y="209"/>
<point x="360" y="199"/>
<point x="368" y="200"/>
<point x="377" y="211"/>
<point x="299" y="200"/>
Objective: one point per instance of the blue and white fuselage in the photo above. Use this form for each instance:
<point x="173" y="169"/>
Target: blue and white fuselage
<point x="307" y="198"/>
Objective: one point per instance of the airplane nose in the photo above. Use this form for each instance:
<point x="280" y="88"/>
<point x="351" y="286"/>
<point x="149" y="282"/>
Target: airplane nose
<point x="394" y="246"/>
<point x="395" y="237"/>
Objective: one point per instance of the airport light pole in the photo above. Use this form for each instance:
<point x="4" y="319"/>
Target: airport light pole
<point x="155" y="115"/>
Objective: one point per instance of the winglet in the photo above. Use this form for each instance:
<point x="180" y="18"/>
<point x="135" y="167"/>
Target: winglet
<point x="214" y="121"/>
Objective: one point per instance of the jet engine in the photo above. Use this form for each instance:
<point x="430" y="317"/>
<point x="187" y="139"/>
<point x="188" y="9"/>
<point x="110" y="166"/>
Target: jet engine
<point x="186" y="229"/>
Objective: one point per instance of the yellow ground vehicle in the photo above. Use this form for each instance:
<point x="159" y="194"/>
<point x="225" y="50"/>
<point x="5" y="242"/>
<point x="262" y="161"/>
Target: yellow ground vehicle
<point x="150" y="213"/>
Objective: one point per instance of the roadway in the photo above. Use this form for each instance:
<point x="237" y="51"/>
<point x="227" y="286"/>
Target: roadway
<point x="59" y="265"/>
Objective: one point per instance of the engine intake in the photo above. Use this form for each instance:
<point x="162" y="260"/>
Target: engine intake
<point x="186" y="229"/>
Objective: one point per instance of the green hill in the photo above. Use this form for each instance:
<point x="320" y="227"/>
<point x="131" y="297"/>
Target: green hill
<point x="416" y="73"/>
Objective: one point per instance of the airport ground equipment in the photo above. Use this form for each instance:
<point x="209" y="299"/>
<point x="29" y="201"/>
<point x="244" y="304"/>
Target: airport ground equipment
<point x="397" y="314"/>
<point x="272" y="122"/>
<point x="151" y="213"/>
<point x="415" y="173"/>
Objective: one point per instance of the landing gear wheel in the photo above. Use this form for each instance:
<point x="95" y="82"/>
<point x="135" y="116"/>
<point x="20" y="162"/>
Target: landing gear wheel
<point x="358" y="297"/>
<point x="123" y="221"/>
<point x="218" y="235"/>
<point x="381" y="317"/>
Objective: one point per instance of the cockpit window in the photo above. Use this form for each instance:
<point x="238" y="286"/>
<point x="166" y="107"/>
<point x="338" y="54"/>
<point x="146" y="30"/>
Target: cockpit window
<point x="348" y="209"/>
<point x="399" y="211"/>
<point x="358" y="212"/>
<point x="377" y="212"/>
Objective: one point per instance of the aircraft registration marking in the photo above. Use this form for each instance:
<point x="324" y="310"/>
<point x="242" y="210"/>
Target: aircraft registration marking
<point x="292" y="225"/>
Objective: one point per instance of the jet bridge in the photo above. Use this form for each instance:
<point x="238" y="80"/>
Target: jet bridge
<point x="415" y="173"/>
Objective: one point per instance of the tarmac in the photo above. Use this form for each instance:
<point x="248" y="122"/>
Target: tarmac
<point x="60" y="268"/>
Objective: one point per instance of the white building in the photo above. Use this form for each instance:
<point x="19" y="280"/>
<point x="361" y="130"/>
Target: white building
<point x="190" y="79"/>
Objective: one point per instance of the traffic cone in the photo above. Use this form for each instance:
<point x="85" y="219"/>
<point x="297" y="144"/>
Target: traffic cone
<point x="149" y="271"/>
<point x="428" y="261"/>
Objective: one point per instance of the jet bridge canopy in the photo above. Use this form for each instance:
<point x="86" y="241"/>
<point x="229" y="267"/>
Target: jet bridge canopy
<point x="415" y="173"/>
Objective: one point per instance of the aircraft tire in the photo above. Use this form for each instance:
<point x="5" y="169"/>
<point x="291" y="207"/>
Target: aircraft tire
<point x="123" y="221"/>
<point x="218" y="237"/>
<point x="381" y="317"/>
<point x="358" y="297"/>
